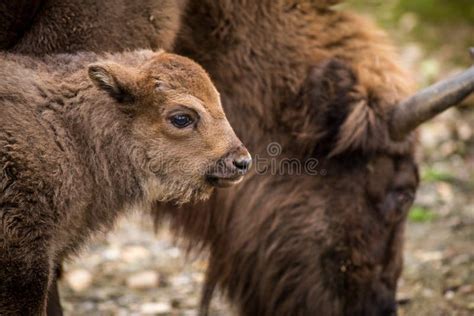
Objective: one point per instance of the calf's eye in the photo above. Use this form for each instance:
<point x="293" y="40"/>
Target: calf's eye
<point x="181" y="120"/>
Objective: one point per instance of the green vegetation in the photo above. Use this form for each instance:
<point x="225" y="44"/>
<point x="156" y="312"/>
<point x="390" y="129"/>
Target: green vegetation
<point x="433" y="175"/>
<point x="439" y="11"/>
<point x="443" y="27"/>
<point x="420" y="214"/>
<point x="432" y="11"/>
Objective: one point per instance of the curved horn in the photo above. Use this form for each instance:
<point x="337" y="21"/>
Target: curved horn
<point x="429" y="102"/>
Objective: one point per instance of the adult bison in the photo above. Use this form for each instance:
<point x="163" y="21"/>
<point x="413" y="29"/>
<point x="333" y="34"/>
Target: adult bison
<point x="329" y="243"/>
<point x="59" y="26"/>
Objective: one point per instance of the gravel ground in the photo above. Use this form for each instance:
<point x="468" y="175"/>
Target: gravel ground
<point x="438" y="277"/>
<point x="134" y="271"/>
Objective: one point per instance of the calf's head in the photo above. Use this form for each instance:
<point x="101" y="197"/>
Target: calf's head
<point x="182" y="137"/>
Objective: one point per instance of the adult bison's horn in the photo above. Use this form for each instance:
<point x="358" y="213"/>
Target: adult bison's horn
<point x="429" y="102"/>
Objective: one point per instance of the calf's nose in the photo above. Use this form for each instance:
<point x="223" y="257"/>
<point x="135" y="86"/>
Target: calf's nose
<point x="243" y="162"/>
<point x="239" y="160"/>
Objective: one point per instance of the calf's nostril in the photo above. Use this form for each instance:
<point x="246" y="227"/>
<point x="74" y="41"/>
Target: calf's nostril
<point x="243" y="163"/>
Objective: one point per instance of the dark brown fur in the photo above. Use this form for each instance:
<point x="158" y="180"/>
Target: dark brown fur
<point x="15" y="19"/>
<point x="286" y="244"/>
<point x="59" y="26"/>
<point x="83" y="138"/>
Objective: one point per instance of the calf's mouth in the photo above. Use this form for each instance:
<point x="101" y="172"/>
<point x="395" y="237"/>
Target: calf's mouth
<point x="224" y="182"/>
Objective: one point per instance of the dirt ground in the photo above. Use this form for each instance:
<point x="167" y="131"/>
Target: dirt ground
<point x="438" y="276"/>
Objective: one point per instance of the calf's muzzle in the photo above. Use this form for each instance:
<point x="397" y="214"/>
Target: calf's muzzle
<point x="231" y="168"/>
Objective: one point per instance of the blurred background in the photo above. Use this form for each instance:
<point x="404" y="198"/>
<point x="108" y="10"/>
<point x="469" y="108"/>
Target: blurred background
<point x="134" y="271"/>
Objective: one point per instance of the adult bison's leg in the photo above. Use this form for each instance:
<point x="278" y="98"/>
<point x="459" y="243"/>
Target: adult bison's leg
<point x="24" y="264"/>
<point x="53" y="306"/>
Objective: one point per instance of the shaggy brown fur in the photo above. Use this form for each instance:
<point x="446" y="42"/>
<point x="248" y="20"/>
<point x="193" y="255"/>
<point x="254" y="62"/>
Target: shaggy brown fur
<point x="84" y="137"/>
<point x="57" y="26"/>
<point x="282" y="244"/>
<point x="15" y="18"/>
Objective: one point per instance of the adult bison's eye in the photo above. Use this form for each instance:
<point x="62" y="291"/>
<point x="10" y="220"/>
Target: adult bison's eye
<point x="396" y="203"/>
<point x="181" y="120"/>
<point x="404" y="197"/>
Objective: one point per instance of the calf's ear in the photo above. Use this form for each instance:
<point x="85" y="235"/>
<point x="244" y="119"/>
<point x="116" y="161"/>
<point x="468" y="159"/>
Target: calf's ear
<point x="118" y="81"/>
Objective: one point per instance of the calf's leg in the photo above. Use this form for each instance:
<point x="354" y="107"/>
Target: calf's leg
<point x="24" y="264"/>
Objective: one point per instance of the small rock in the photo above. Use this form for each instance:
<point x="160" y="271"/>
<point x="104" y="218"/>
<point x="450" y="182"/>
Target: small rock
<point x="189" y="312"/>
<point x="461" y="259"/>
<point x="135" y="253"/>
<point x="112" y="253"/>
<point x="427" y="293"/>
<point x="449" y="295"/>
<point x="465" y="131"/>
<point x="143" y="280"/>
<point x="466" y="289"/>
<point x="198" y="277"/>
<point x="156" y="308"/>
<point x="121" y="312"/>
<point x="174" y="252"/>
<point x="426" y="256"/>
<point x="181" y="281"/>
<point x="88" y="306"/>
<point x="446" y="192"/>
<point x="79" y="279"/>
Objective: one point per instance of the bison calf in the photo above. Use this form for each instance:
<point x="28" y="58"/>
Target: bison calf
<point x="84" y="137"/>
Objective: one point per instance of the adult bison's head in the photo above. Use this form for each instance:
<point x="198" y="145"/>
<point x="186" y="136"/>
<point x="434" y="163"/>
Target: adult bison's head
<point x="366" y="148"/>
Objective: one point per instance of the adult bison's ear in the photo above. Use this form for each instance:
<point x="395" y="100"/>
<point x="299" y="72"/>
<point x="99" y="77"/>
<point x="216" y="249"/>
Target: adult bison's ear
<point x="118" y="81"/>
